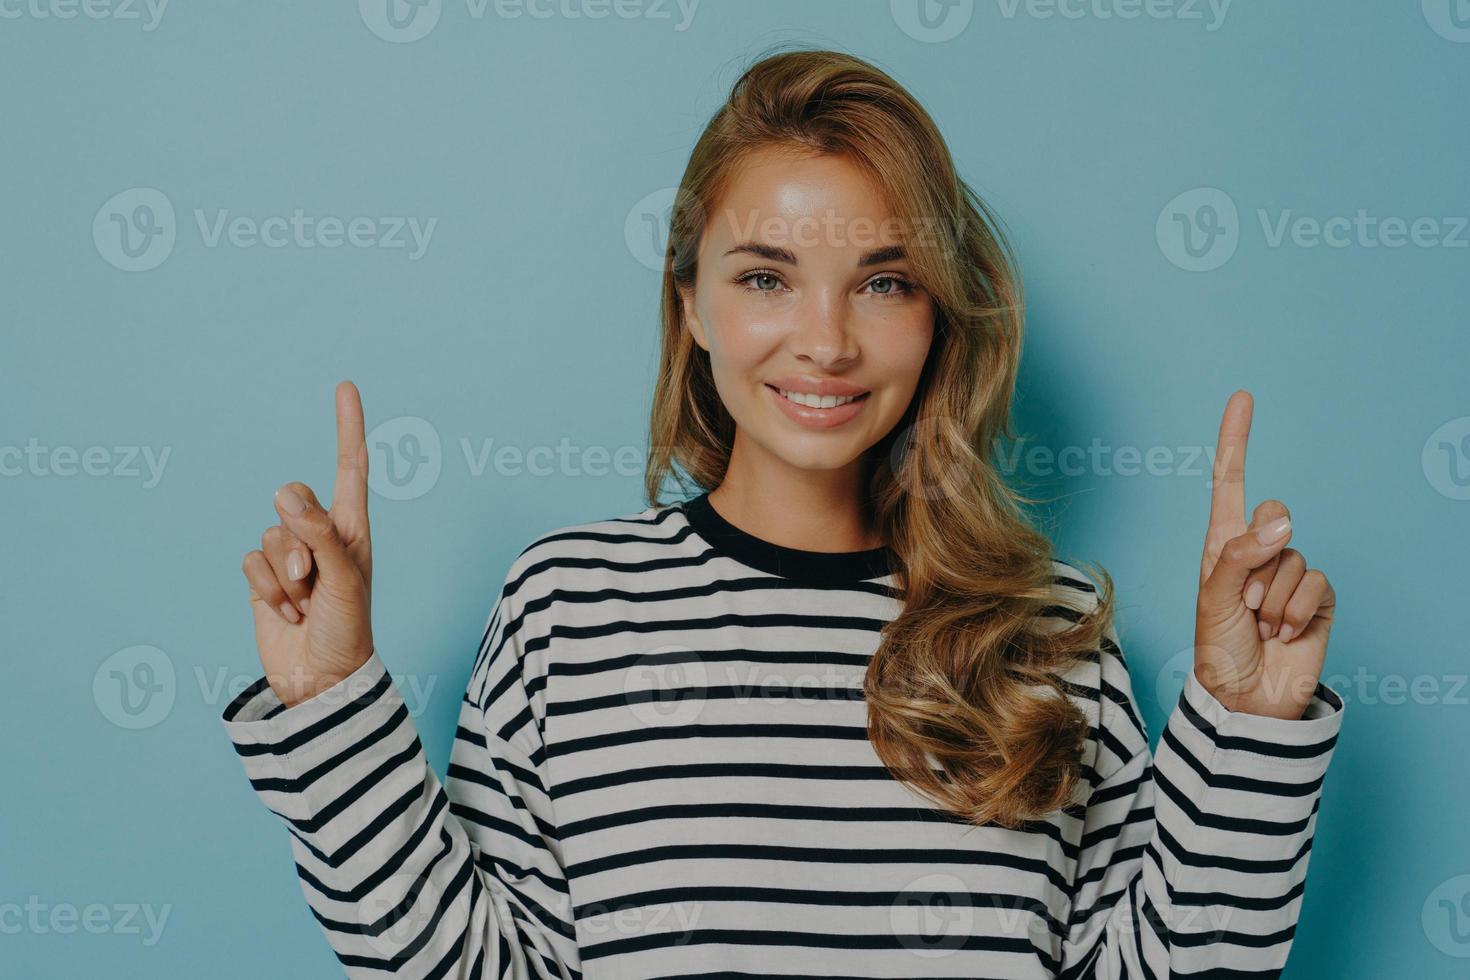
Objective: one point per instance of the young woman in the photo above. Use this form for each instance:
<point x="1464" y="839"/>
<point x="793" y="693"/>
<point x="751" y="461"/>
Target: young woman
<point x="839" y="714"/>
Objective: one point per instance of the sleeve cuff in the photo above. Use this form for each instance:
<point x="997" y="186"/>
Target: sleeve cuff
<point x="261" y="726"/>
<point x="1307" y="742"/>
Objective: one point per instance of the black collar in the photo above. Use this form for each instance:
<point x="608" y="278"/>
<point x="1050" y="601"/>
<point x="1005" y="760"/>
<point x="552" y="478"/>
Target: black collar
<point x="817" y="567"/>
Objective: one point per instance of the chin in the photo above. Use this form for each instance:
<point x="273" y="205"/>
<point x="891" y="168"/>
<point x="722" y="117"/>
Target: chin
<point x="818" y="458"/>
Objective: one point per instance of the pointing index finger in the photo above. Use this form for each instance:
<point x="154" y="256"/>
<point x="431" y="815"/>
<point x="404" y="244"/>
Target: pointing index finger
<point x="350" y="492"/>
<point x="1227" y="496"/>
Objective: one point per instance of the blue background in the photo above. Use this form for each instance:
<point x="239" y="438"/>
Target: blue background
<point x="530" y="319"/>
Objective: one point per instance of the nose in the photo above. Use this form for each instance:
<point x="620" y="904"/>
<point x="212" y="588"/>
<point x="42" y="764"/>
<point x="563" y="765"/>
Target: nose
<point x="822" y="334"/>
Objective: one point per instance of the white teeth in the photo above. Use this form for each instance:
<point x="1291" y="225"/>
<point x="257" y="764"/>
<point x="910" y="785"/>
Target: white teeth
<point x="816" y="401"/>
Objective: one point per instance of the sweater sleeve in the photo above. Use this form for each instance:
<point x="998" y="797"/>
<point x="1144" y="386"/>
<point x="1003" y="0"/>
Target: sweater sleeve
<point x="1194" y="859"/>
<point x="406" y="875"/>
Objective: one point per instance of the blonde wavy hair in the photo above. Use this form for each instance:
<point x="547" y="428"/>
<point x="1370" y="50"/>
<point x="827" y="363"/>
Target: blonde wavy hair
<point x="966" y="702"/>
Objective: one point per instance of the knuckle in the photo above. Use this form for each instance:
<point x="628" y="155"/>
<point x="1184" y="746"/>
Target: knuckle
<point x="1234" y="552"/>
<point x="258" y="573"/>
<point x="1293" y="558"/>
<point x="328" y="531"/>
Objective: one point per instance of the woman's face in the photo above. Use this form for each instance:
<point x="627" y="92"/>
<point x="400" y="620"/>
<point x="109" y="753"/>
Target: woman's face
<point x="802" y="286"/>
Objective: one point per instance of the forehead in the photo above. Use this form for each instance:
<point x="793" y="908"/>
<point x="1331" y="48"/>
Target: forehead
<point x="812" y="199"/>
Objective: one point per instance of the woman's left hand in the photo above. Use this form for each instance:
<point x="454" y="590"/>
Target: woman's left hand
<point x="1262" y="619"/>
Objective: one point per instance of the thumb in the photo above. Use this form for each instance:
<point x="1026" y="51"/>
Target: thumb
<point x="304" y="517"/>
<point x="1241" y="555"/>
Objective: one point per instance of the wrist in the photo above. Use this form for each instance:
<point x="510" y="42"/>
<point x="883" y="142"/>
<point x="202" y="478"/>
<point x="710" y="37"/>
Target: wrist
<point x="296" y="686"/>
<point x="1256" y="701"/>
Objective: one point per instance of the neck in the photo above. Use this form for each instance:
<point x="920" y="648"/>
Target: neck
<point x="814" y="510"/>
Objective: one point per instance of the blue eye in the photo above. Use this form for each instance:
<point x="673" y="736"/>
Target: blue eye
<point x="758" y="275"/>
<point x="899" y="286"/>
<point x="896" y="285"/>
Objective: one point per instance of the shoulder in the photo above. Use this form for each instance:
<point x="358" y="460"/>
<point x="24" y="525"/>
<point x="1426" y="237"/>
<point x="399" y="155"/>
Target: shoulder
<point x="1072" y="587"/>
<point x="579" y="557"/>
<point x="579" y="554"/>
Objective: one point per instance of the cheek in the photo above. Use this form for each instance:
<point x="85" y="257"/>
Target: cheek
<point x="902" y="346"/>
<point x="740" y="338"/>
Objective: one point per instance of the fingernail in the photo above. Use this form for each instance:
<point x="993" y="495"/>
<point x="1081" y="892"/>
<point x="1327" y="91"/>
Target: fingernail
<point x="1274" y="531"/>
<point x="289" y="611"/>
<point x="1265" y="629"/>
<point x="304" y="603"/>
<point x="294" y="567"/>
<point x="1286" y="632"/>
<point x="1253" y="595"/>
<point x="292" y="503"/>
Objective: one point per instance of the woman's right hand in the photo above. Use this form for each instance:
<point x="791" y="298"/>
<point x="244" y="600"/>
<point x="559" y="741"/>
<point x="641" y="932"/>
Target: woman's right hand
<point x="311" y="578"/>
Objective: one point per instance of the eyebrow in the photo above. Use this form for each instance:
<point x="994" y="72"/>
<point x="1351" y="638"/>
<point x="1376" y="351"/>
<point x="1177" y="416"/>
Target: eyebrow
<point x="775" y="253"/>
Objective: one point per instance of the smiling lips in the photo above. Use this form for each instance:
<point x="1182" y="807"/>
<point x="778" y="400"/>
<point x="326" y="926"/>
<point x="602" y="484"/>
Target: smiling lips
<point x="817" y="403"/>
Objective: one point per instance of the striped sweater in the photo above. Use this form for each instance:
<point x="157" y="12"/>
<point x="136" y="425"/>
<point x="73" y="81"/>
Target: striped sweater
<point x="661" y="769"/>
